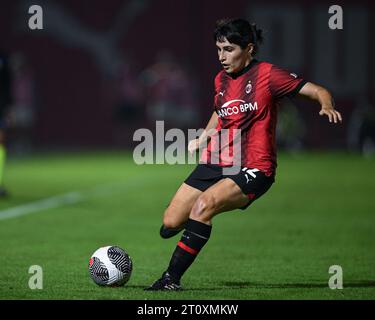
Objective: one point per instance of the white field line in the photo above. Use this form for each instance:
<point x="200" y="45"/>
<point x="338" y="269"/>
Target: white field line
<point x="65" y="199"/>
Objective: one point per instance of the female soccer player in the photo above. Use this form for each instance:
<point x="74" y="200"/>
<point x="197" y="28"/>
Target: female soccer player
<point x="248" y="92"/>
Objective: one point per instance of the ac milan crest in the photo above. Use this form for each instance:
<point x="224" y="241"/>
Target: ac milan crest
<point x="248" y="87"/>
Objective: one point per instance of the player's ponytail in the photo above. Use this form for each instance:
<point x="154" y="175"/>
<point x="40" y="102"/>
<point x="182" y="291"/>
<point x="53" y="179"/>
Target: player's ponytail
<point x="257" y="37"/>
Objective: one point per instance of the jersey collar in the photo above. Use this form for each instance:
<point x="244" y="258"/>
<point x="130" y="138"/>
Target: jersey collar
<point x="244" y="70"/>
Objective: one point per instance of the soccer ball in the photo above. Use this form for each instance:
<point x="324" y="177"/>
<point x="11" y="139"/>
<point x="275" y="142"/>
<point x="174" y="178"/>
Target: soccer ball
<point x="110" y="266"/>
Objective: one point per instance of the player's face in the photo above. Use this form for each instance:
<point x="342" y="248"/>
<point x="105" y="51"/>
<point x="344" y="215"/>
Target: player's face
<point x="232" y="57"/>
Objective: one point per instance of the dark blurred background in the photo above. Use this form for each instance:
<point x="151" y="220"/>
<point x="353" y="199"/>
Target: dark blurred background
<point x="101" y="69"/>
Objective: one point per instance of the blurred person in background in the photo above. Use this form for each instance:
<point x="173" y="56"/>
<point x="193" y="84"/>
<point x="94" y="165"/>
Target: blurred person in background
<point x="22" y="113"/>
<point x="290" y="128"/>
<point x="129" y="103"/>
<point x="5" y="103"/>
<point x="170" y="92"/>
<point x="361" y="128"/>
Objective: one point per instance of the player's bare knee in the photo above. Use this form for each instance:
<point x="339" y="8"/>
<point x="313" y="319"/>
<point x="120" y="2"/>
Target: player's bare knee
<point x="170" y="222"/>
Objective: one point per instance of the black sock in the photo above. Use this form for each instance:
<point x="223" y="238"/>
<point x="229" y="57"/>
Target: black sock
<point x="193" y="239"/>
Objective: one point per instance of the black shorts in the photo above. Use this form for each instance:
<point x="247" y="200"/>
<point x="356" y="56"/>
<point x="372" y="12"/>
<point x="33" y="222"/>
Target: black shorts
<point x="253" y="182"/>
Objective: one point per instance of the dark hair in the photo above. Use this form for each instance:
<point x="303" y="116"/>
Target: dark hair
<point x="238" y="31"/>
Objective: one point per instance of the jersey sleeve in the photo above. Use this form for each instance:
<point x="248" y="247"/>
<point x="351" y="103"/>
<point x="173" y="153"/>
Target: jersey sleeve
<point x="284" y="83"/>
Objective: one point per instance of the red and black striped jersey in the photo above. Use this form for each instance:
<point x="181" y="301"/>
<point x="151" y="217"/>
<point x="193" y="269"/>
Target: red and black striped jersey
<point x="249" y="101"/>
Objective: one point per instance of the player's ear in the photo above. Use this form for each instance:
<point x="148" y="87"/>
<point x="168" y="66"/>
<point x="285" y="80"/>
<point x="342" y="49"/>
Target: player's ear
<point x="250" y="48"/>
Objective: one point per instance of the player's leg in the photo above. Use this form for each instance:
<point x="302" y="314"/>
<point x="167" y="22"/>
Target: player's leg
<point x="198" y="230"/>
<point x="223" y="196"/>
<point x="178" y="210"/>
<point x="226" y="195"/>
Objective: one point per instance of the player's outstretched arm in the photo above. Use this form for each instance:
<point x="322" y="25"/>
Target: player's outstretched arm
<point x="322" y="95"/>
<point x="196" y="143"/>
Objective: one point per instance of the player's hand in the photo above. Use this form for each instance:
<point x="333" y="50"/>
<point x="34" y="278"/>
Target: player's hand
<point x="333" y="115"/>
<point x="193" y="146"/>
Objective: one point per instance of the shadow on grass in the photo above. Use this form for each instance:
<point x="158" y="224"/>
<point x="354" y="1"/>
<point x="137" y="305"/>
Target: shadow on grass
<point x="235" y="285"/>
<point x="346" y="284"/>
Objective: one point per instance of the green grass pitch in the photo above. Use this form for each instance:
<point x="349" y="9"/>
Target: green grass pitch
<point x="319" y="213"/>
